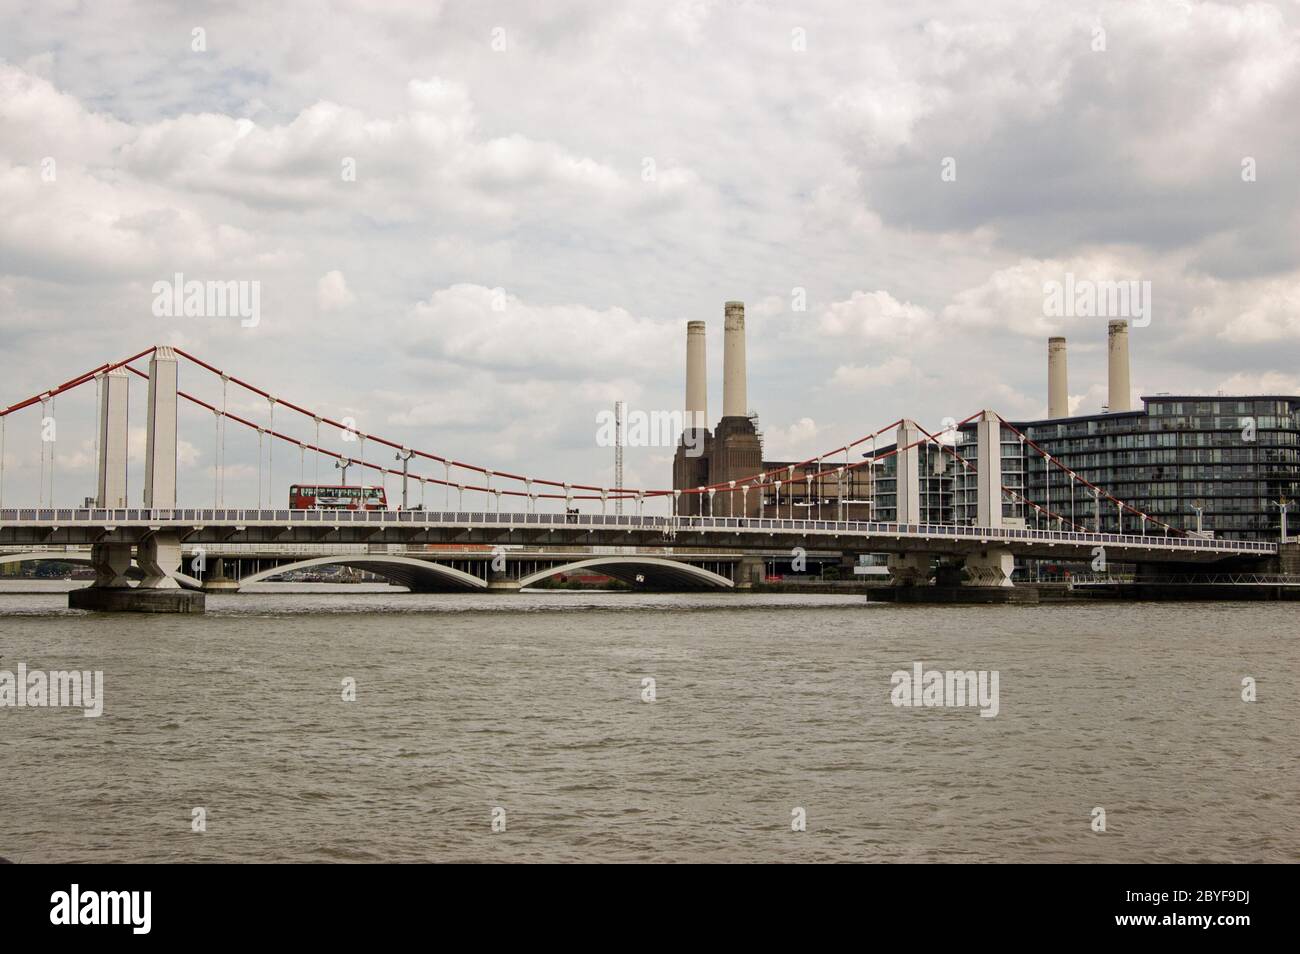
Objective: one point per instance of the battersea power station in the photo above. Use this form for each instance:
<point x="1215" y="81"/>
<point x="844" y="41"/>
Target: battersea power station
<point x="1224" y="466"/>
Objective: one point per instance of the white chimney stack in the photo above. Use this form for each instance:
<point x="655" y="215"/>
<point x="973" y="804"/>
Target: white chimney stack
<point x="1118" y="366"/>
<point x="1058" y="392"/>
<point x="697" y="391"/>
<point x="735" y="402"/>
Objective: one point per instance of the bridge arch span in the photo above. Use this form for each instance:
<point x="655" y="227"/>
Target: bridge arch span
<point x="416" y="575"/>
<point x="626" y="568"/>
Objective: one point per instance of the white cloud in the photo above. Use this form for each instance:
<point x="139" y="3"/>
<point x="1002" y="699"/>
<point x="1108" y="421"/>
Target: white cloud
<point x="796" y="442"/>
<point x="876" y="317"/>
<point x="864" y="377"/>
<point x="332" y="292"/>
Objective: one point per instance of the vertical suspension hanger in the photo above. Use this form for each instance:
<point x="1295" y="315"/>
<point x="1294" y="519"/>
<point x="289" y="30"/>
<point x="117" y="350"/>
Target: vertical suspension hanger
<point x="225" y="423"/>
<point x="53" y="444"/>
<point x="216" y="458"/>
<point x="260" y="432"/>
<point x="270" y="456"/>
<point x="40" y="478"/>
<point x="99" y="380"/>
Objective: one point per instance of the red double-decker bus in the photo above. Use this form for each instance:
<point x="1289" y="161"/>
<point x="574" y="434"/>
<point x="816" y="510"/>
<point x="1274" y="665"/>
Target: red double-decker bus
<point x="322" y="497"/>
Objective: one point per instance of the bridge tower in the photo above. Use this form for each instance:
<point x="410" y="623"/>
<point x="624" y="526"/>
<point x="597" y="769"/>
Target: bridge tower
<point x="991" y="566"/>
<point x="988" y="475"/>
<point x="907" y="507"/>
<point x="160" y="439"/>
<point x="114" y="414"/>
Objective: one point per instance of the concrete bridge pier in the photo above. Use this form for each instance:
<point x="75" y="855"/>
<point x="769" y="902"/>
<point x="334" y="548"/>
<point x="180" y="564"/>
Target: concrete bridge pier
<point x="159" y="555"/>
<point x="499" y="581"/>
<point x="990" y="567"/>
<point x="1287" y="560"/>
<point x="111" y="562"/>
<point x="750" y="570"/>
<point x="216" y="581"/>
<point x="909" y="569"/>
<point x="983" y="576"/>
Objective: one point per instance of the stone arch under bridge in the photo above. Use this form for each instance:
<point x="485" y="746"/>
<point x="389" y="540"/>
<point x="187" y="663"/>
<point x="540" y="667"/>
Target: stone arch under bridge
<point x="421" y="576"/>
<point x="656" y="571"/>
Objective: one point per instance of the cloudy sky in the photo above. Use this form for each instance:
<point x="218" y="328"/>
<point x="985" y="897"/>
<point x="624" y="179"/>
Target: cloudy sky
<point x="545" y="193"/>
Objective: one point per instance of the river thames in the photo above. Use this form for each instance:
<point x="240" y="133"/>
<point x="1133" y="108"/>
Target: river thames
<point x="530" y="711"/>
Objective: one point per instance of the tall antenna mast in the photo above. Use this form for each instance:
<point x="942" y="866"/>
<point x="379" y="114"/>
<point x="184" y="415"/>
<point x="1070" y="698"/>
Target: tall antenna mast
<point x="620" y="408"/>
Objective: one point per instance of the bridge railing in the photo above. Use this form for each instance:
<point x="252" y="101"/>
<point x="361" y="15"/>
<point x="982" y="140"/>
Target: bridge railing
<point x="415" y="518"/>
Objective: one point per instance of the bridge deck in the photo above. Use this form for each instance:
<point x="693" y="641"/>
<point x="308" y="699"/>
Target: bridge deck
<point x="195" y="526"/>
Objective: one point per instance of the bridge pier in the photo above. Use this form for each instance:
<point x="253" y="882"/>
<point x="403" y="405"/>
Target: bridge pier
<point x="991" y="567"/>
<point x="983" y="576"/>
<point x="1287" y="560"/>
<point x="110" y="562"/>
<point x="100" y="599"/>
<point x="749" y="571"/>
<point x="500" y="581"/>
<point x="909" y="569"/>
<point x="216" y="580"/>
<point x="157" y="555"/>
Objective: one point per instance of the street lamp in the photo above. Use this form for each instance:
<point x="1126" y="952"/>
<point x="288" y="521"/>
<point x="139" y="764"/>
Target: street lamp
<point x="1283" y="506"/>
<point x="404" y="455"/>
<point x="343" y="463"/>
<point x="1199" y="511"/>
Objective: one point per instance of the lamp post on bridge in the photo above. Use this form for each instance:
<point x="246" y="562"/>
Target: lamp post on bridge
<point x="343" y="463"/>
<point x="1283" y="505"/>
<point x="821" y="487"/>
<point x="404" y="456"/>
<point x="1199" y="511"/>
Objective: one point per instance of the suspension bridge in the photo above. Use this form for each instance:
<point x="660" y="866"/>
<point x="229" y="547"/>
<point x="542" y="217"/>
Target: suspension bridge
<point x="525" y="527"/>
